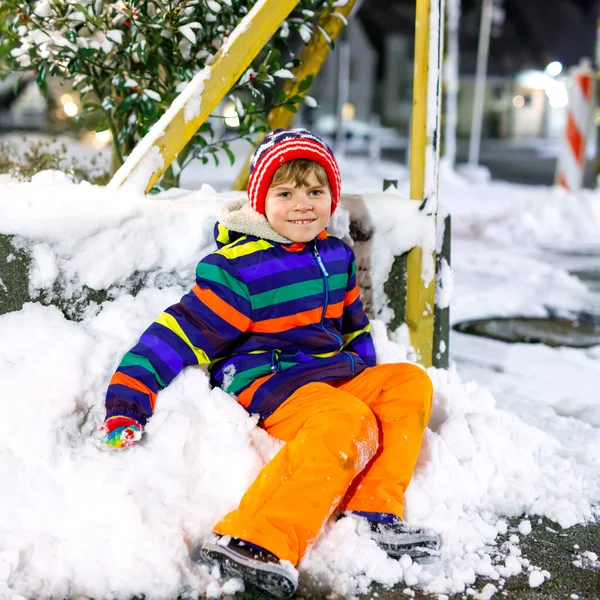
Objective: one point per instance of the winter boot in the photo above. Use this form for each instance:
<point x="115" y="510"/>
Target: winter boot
<point x="257" y="567"/>
<point x="397" y="537"/>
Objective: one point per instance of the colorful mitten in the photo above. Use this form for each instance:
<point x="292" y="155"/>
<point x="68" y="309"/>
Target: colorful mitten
<point x="121" y="432"/>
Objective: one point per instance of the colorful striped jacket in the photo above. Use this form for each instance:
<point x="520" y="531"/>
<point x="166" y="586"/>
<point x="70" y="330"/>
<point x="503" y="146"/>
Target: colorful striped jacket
<point x="267" y="315"/>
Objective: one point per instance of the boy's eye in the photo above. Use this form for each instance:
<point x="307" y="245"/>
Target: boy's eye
<point x="317" y="192"/>
<point x="285" y="194"/>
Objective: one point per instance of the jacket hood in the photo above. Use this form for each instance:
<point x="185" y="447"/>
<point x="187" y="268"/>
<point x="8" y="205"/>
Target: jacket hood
<point x="237" y="218"/>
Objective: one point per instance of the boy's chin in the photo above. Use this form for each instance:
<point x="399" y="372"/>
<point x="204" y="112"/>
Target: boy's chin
<point x="303" y="236"/>
<point x="300" y="233"/>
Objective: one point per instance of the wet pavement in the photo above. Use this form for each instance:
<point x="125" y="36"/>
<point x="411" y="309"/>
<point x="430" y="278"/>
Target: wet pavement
<point x="548" y="548"/>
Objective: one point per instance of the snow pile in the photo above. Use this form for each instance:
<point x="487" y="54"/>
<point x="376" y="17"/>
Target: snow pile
<point x="510" y="213"/>
<point x="85" y="235"/>
<point x="78" y="520"/>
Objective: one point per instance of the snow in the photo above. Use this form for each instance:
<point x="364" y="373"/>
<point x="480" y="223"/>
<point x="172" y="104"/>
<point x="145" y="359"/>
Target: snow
<point x="189" y="33"/>
<point x="536" y="578"/>
<point x="310" y="101"/>
<point x="513" y="432"/>
<point x="525" y="527"/>
<point x="284" y="74"/>
<point x="146" y="158"/>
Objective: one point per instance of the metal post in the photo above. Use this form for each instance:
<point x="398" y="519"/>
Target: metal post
<point x="451" y="80"/>
<point x="342" y="92"/>
<point x="424" y="170"/>
<point x="375" y="138"/>
<point x="482" y="60"/>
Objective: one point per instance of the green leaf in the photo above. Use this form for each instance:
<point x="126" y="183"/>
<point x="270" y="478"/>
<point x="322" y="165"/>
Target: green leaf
<point x="274" y="58"/>
<point x="147" y="108"/>
<point x="88" y="52"/>
<point x="206" y="128"/>
<point x="305" y="83"/>
<point x="41" y="77"/>
<point x="74" y="66"/>
<point x="89" y="108"/>
<point x="84" y="11"/>
<point x="127" y="103"/>
<point x="102" y="125"/>
<point x="229" y="153"/>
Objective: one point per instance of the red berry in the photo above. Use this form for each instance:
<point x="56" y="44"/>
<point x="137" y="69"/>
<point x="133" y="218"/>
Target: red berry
<point x="18" y="10"/>
<point x="123" y="9"/>
<point x="127" y="23"/>
<point x="134" y="89"/>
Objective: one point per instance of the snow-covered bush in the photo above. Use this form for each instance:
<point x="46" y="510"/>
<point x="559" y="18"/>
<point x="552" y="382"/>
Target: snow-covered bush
<point x="130" y="59"/>
<point x="24" y="158"/>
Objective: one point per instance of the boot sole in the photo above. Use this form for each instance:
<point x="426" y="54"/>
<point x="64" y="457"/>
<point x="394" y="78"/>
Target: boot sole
<point x="422" y="553"/>
<point x="265" y="578"/>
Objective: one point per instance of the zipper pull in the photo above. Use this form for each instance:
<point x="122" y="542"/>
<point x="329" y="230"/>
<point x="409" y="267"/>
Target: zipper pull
<point x="320" y="261"/>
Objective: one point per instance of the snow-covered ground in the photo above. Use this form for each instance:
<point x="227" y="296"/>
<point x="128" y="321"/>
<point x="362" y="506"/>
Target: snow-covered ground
<point x="515" y="429"/>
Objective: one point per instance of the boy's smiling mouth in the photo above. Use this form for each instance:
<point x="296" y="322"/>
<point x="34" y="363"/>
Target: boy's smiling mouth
<point x="301" y="221"/>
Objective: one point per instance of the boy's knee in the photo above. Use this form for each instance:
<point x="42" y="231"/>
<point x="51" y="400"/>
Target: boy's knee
<point x="353" y="430"/>
<point x="415" y="376"/>
<point x="423" y="383"/>
<point x="409" y="387"/>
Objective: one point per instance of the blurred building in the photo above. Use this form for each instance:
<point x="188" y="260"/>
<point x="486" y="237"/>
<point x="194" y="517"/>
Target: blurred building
<point x="521" y="101"/>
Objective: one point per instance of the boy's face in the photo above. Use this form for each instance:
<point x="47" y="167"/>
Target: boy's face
<point x="298" y="213"/>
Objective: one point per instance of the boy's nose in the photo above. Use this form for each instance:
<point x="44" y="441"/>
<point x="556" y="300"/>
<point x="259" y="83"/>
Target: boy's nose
<point x="303" y="202"/>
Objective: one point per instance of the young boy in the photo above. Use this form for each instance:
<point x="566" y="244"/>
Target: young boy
<point x="276" y="314"/>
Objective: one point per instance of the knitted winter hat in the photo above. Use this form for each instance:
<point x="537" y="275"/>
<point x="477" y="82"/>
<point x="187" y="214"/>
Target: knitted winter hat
<point x="281" y="146"/>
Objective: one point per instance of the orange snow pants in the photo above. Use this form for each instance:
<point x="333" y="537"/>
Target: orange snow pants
<point x="350" y="446"/>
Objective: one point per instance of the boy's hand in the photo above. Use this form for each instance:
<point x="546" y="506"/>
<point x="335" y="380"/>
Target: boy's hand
<point x="121" y="432"/>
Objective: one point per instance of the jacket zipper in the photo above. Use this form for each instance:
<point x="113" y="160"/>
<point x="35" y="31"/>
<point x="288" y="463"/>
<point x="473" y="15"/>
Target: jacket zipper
<point x="326" y="304"/>
<point x="351" y="360"/>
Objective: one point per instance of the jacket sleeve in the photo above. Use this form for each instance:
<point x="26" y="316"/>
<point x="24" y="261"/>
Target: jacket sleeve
<point x="202" y="325"/>
<point x="356" y="329"/>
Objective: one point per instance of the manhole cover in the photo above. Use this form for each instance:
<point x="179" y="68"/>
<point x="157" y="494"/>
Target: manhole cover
<point x="588" y="250"/>
<point x="589" y="276"/>
<point x="552" y="331"/>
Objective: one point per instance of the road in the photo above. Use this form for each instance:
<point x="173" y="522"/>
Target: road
<point x="529" y="162"/>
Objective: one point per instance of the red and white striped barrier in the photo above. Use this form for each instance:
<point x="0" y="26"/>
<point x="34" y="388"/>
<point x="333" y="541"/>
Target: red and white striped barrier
<point x="571" y="162"/>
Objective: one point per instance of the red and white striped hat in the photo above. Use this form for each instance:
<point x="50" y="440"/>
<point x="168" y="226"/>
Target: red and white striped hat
<point x="281" y="146"/>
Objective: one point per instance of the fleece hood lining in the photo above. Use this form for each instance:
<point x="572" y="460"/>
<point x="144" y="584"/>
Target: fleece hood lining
<point x="239" y="216"/>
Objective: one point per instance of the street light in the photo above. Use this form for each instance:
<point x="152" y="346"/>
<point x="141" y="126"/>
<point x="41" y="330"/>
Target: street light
<point x="518" y="101"/>
<point x="554" y="68"/>
<point x="231" y="116"/>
